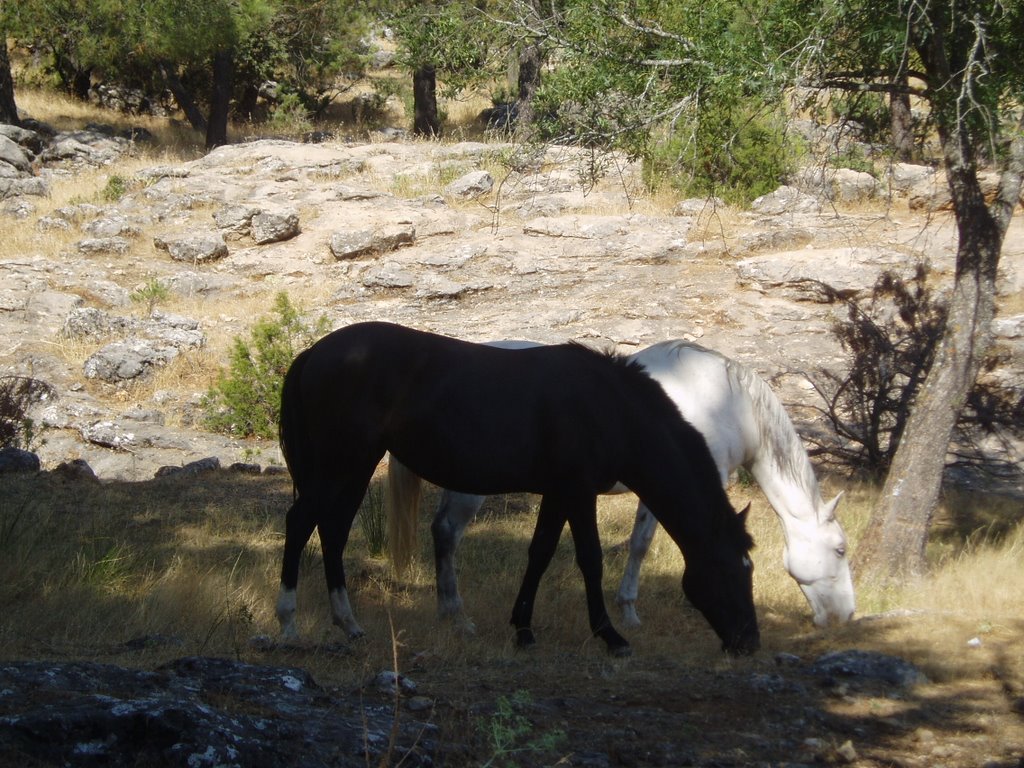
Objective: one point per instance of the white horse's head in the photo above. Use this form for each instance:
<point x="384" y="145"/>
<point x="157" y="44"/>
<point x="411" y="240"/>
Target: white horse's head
<point x="816" y="557"/>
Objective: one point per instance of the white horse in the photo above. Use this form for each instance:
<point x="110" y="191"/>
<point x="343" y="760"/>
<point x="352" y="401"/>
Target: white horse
<point x="744" y="425"/>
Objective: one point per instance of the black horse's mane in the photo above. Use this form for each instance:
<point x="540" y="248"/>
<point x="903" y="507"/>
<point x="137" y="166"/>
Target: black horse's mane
<point x="654" y="395"/>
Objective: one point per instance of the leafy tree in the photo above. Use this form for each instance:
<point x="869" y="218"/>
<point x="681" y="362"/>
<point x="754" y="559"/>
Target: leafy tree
<point x="201" y="50"/>
<point x="439" y="38"/>
<point x="691" y="87"/>
<point x="966" y="61"/>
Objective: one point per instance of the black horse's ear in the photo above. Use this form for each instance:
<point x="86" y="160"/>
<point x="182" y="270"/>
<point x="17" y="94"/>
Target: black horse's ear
<point x="744" y="512"/>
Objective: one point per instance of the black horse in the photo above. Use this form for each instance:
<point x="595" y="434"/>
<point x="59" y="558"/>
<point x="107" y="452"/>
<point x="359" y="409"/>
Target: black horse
<point x="563" y="421"/>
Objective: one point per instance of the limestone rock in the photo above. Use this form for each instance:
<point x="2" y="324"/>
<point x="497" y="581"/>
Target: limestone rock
<point x="197" y="248"/>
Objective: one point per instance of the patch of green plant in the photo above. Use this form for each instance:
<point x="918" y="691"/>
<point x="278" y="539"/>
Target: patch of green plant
<point x="115" y="189"/>
<point x="510" y="734"/>
<point x="17" y="395"/>
<point x="291" y="115"/>
<point x="246" y="400"/>
<point x="151" y="294"/>
<point x="373" y="520"/>
<point x="107" y="569"/>
<point x="854" y="159"/>
<point x="733" y="153"/>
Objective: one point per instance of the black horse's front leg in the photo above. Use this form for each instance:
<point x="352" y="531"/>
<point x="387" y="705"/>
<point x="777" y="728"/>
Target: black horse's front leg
<point x="550" y="521"/>
<point x="583" y="524"/>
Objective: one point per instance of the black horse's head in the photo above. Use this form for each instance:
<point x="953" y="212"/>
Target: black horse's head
<point x="718" y="581"/>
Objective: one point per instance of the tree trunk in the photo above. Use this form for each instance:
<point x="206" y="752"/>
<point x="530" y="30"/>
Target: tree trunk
<point x="902" y="125"/>
<point x="893" y="545"/>
<point x="424" y="94"/>
<point x="76" y="81"/>
<point x="220" y="99"/>
<point x="183" y="97"/>
<point x="529" y="82"/>
<point x="8" y="107"/>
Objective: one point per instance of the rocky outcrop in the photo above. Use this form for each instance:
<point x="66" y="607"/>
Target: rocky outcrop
<point x="199" y="711"/>
<point x="549" y="259"/>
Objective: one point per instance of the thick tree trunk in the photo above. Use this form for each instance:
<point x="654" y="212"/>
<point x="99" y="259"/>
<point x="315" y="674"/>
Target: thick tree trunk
<point x="184" y="99"/>
<point x="220" y="99"/>
<point x="424" y="94"/>
<point x="528" y="81"/>
<point x="8" y="107"/>
<point x="902" y="125"/>
<point x="893" y="545"/>
<point x="76" y="81"/>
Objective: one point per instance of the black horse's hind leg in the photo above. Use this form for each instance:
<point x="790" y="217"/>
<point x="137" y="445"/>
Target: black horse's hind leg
<point x="550" y="521"/>
<point x="334" y="529"/>
<point x="583" y="524"/>
<point x="299" y="525"/>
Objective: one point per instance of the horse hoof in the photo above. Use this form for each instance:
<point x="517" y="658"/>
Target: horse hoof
<point x="525" y="639"/>
<point x="622" y="651"/>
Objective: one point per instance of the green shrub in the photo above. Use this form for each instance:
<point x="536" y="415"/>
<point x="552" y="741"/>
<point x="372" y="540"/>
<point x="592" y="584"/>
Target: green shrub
<point x="246" y="400"/>
<point x="511" y="736"/>
<point x="17" y="395"/>
<point x="733" y="153"/>
<point x="151" y="294"/>
<point x="115" y="189"/>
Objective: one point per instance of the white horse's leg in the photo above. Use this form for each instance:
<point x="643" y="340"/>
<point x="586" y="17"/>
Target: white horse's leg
<point x="285" y="610"/>
<point x="639" y="542"/>
<point x="454" y="513"/>
<point x="342" y="615"/>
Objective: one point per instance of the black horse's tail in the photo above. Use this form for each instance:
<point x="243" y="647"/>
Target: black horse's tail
<point x="289" y="430"/>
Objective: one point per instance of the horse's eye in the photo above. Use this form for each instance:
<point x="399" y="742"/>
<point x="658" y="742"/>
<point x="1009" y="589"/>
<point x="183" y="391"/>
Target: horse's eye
<point x="747" y="564"/>
<point x="841" y="551"/>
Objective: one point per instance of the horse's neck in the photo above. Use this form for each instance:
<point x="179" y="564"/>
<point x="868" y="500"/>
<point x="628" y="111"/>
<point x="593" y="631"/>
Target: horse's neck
<point x="793" y="500"/>
<point x="780" y="463"/>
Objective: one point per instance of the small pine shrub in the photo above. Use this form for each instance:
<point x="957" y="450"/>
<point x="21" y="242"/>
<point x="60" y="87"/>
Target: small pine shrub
<point x="151" y="294"/>
<point x="246" y="400"/>
<point x="115" y="189"/>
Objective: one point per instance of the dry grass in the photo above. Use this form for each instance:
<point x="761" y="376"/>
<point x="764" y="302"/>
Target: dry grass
<point x="84" y="568"/>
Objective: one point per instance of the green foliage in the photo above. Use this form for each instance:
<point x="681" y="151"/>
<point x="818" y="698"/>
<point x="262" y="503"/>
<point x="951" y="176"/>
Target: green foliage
<point x="451" y="36"/>
<point x="373" y="520"/>
<point x="17" y="395"/>
<point x="305" y="45"/>
<point x="115" y="189"/>
<point x="731" y="154"/>
<point x="290" y="114"/>
<point x="511" y="735"/>
<point x="689" y="87"/>
<point x="246" y="400"/>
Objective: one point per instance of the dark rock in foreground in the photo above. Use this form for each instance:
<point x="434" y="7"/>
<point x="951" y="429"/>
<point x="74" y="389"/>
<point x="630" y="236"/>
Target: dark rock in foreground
<point x="195" y="711"/>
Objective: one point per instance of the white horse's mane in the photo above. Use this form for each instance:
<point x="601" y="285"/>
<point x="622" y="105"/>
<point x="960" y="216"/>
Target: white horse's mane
<point x="780" y="443"/>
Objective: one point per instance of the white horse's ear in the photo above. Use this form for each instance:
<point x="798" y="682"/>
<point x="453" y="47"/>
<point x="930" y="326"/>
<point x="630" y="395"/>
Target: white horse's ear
<point x="830" y="508"/>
